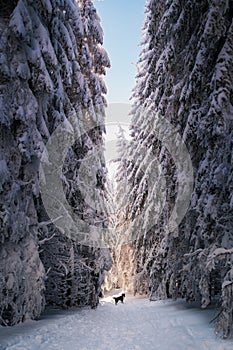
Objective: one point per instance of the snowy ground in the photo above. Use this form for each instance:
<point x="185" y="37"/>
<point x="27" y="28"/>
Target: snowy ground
<point x="137" y="324"/>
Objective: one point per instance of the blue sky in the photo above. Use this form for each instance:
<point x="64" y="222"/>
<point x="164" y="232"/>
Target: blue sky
<point x="122" y="21"/>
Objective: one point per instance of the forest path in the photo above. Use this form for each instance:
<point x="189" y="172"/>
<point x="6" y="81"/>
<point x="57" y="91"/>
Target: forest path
<point x="138" y="324"/>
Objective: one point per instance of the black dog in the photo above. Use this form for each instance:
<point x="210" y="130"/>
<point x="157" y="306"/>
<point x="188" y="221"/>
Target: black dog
<point x="120" y="298"/>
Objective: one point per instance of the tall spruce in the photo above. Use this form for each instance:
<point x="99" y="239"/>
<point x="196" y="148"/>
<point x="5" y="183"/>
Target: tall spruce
<point x="185" y="76"/>
<point x="50" y="69"/>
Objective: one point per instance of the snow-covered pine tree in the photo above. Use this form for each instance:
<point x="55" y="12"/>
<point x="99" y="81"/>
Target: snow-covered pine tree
<point x="86" y="278"/>
<point x="22" y="273"/>
<point x="47" y="75"/>
<point x="185" y="75"/>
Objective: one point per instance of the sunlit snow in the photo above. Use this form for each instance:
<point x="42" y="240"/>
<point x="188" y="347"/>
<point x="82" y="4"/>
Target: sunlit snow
<point x="136" y="324"/>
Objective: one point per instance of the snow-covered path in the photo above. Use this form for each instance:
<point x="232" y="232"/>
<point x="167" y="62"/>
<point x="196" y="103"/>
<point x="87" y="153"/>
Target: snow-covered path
<point x="138" y="324"/>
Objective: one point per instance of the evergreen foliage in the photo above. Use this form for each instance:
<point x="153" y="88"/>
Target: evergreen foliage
<point x="51" y="63"/>
<point x="185" y="76"/>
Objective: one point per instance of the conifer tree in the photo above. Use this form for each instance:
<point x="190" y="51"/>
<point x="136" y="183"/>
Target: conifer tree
<point x="50" y="70"/>
<point x="185" y="76"/>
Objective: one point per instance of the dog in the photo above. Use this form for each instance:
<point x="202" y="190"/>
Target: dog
<point x="119" y="298"/>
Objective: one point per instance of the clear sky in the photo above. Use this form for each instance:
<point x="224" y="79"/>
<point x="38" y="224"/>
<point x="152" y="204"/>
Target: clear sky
<point x="122" y="22"/>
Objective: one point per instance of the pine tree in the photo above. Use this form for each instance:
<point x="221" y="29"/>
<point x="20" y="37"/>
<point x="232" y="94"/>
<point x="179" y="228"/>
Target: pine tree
<point x="185" y="76"/>
<point x="51" y="67"/>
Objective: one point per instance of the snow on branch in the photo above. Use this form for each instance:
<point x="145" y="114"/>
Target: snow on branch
<point x="43" y="241"/>
<point x="219" y="252"/>
<point x="49" y="222"/>
<point x="190" y="255"/>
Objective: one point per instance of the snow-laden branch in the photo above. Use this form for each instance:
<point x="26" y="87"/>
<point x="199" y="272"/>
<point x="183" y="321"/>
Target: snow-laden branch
<point x="190" y="255"/>
<point x="220" y="251"/>
<point x="46" y="239"/>
<point x="226" y="284"/>
<point x="49" y="222"/>
<point x="48" y="271"/>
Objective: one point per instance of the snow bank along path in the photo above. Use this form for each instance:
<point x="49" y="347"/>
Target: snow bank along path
<point x="137" y="324"/>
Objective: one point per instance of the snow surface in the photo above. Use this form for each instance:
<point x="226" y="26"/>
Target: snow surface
<point x="136" y="324"/>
